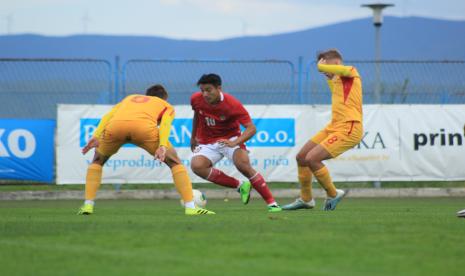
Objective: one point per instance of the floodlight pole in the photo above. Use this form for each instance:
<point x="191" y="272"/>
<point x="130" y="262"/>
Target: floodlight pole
<point x="377" y="22"/>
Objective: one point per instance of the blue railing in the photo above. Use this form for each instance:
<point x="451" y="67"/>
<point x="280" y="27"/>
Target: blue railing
<point x="31" y="88"/>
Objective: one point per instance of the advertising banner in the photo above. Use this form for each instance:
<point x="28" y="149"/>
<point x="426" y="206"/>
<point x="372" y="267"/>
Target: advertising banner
<point x="400" y="142"/>
<point x="27" y="149"/>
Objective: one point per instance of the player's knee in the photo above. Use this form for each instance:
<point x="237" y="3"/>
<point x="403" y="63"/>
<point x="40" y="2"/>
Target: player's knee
<point x="197" y="167"/>
<point x="312" y="159"/>
<point x="99" y="159"/>
<point x="300" y="158"/>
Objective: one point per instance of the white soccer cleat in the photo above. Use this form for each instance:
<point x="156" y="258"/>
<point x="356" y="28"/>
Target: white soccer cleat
<point x="461" y="214"/>
<point x="299" y="204"/>
<point x="331" y="202"/>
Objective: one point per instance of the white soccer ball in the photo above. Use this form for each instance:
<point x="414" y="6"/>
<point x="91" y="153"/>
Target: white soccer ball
<point x="200" y="200"/>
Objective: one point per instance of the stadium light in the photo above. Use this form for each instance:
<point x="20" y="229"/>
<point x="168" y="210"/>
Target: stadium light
<point x="377" y="22"/>
<point x="377" y="9"/>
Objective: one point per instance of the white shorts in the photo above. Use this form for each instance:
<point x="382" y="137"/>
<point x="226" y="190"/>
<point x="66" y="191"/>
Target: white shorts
<point x="215" y="152"/>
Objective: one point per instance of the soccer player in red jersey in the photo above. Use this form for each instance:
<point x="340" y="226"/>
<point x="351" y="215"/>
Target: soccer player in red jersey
<point x="216" y="134"/>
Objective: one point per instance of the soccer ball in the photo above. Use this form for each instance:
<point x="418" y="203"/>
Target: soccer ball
<point x="200" y="200"/>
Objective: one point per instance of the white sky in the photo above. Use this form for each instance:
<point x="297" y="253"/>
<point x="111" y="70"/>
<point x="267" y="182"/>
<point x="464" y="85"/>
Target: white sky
<point x="198" y="19"/>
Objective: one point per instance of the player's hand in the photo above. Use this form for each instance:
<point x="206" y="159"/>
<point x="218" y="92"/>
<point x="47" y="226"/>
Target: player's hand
<point x="160" y="153"/>
<point x="227" y="143"/>
<point x="323" y="61"/>
<point x="93" y="143"/>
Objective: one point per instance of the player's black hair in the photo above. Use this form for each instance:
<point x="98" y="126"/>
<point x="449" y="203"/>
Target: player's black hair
<point x="329" y="54"/>
<point x="157" y="90"/>
<point x="212" y="79"/>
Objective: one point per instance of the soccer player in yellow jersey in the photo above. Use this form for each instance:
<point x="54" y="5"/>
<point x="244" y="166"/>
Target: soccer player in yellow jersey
<point x="144" y="121"/>
<point x="343" y="132"/>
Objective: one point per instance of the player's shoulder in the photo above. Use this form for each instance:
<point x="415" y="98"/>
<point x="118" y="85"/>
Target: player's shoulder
<point x="130" y="97"/>
<point x="159" y="101"/>
<point x="135" y="95"/>
<point x="230" y="99"/>
<point x="196" y="97"/>
<point x="354" y="71"/>
<point x="353" y="68"/>
<point x="163" y="102"/>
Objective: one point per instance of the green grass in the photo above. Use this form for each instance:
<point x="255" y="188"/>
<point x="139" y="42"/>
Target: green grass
<point x="18" y="186"/>
<point x="362" y="237"/>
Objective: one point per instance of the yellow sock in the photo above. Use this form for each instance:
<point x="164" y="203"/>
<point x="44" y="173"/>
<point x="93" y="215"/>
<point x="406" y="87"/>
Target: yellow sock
<point x="305" y="180"/>
<point x="182" y="182"/>
<point x="93" y="180"/>
<point x="323" y="177"/>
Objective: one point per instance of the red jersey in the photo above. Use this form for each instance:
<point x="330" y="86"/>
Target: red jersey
<point x="218" y="121"/>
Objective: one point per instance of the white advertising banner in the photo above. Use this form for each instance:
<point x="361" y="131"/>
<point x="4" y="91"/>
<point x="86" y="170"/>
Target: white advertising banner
<point x="401" y="142"/>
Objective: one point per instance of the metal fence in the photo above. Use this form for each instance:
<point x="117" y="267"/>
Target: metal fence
<point x="252" y="82"/>
<point x="400" y="82"/>
<point x="31" y="88"/>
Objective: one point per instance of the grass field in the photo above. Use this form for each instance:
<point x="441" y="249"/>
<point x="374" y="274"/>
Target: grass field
<point x="6" y="186"/>
<point x="362" y="237"/>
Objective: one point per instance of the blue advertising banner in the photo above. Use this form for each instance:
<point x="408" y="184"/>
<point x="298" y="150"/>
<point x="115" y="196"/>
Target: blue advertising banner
<point x="271" y="132"/>
<point x="27" y="149"/>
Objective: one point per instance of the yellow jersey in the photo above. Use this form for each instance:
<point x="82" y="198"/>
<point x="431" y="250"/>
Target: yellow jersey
<point x="152" y="110"/>
<point x="346" y="93"/>
<point x="141" y="108"/>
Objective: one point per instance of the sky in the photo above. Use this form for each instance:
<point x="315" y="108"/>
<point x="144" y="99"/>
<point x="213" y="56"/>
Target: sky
<point x="199" y="19"/>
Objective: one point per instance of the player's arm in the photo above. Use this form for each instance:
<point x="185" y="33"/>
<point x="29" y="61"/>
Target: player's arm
<point x="195" y="120"/>
<point x="340" y="70"/>
<point x="93" y="142"/>
<point x="164" y="133"/>
<point x="104" y="121"/>
<point x="244" y="119"/>
<point x="249" y="132"/>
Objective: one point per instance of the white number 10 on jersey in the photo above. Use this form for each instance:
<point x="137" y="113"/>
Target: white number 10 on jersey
<point x="210" y="121"/>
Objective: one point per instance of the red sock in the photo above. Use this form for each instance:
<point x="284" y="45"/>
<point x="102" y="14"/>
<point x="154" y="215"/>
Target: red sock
<point x="259" y="184"/>
<point x="218" y="177"/>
